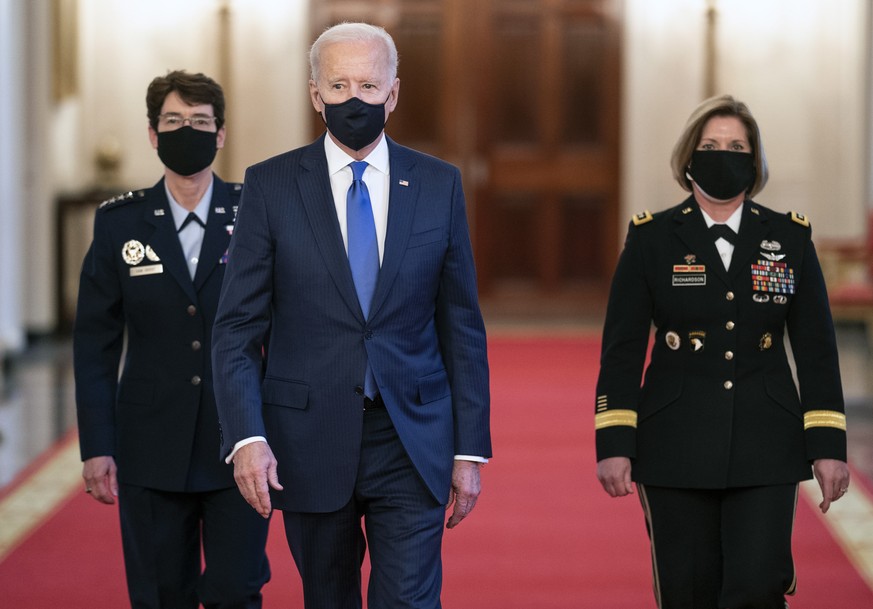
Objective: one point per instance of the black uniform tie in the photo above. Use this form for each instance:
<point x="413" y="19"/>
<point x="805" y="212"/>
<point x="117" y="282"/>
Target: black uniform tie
<point x="724" y="231"/>
<point x="192" y="217"/>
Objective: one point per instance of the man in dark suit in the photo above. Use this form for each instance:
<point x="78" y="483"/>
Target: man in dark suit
<point x="357" y="282"/>
<point x="150" y="282"/>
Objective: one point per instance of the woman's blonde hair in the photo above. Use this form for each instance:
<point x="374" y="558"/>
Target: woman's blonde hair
<point x="689" y="140"/>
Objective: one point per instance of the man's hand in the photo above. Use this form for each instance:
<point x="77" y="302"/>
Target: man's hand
<point x="254" y="469"/>
<point x="614" y="474"/>
<point x="833" y="478"/>
<point x="465" y="491"/>
<point x="100" y="477"/>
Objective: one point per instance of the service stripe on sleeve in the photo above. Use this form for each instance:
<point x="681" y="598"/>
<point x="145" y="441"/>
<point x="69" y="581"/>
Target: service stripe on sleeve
<point x="824" y="418"/>
<point x="613" y="418"/>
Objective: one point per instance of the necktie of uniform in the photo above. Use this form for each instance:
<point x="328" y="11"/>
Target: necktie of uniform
<point x="192" y="217"/>
<point x="724" y="231"/>
<point x="363" y="250"/>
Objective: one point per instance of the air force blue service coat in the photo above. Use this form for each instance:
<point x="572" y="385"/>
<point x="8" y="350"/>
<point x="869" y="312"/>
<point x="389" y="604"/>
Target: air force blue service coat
<point x="159" y="419"/>
<point x="718" y="406"/>
<point x="289" y="288"/>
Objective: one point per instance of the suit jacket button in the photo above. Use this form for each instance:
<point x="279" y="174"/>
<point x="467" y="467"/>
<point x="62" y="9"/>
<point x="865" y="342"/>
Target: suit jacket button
<point x="359" y="391"/>
<point x="195" y="345"/>
<point x="195" y="380"/>
<point x="368" y="335"/>
<point x="192" y="310"/>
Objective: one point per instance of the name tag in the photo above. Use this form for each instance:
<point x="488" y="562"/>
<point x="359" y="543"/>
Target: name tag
<point x="689" y="279"/>
<point x="149" y="269"/>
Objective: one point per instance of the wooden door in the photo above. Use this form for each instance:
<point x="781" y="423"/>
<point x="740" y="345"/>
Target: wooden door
<point x="522" y="95"/>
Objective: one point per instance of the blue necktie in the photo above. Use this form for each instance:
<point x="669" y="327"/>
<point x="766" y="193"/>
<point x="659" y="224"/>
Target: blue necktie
<point x="363" y="250"/>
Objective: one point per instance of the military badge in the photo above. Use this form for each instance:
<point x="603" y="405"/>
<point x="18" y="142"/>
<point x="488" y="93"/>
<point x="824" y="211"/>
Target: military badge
<point x="766" y="341"/>
<point x="771" y="246"/>
<point x="774" y="277"/>
<point x="759" y="297"/>
<point x="673" y="340"/>
<point x="133" y="252"/>
<point x="696" y="339"/>
<point x="642" y="218"/>
<point x="150" y="254"/>
<point x="773" y="257"/>
<point x="780" y="299"/>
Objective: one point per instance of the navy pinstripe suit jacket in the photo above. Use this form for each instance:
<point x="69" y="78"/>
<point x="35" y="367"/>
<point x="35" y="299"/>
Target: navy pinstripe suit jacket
<point x="291" y="343"/>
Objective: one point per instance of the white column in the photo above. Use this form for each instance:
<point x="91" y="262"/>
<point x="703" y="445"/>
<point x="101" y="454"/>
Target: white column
<point x="12" y="90"/>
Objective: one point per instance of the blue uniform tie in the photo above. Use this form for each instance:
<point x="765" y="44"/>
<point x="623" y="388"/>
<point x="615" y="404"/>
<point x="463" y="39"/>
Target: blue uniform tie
<point x="363" y="250"/>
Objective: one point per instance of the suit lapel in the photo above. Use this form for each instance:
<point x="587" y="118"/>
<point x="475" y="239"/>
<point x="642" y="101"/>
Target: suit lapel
<point x="217" y="236"/>
<point x="403" y="192"/>
<point x="165" y="241"/>
<point x="317" y="198"/>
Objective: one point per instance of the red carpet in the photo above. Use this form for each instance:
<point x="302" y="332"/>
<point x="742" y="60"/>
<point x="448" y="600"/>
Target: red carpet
<point x="544" y="535"/>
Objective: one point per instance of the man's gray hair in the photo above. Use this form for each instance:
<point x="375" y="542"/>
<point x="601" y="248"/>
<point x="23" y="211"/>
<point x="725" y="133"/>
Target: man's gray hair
<point x="352" y="32"/>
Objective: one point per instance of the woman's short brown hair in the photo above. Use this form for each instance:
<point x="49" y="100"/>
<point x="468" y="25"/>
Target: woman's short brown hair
<point x="689" y="140"/>
<point x="194" y="89"/>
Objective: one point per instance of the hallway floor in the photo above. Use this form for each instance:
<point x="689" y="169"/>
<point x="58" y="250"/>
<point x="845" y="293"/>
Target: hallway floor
<point x="37" y="397"/>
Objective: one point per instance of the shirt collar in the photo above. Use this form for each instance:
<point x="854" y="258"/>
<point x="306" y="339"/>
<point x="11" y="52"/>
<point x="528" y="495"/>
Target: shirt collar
<point x="733" y="221"/>
<point x="337" y="159"/>
<point x="180" y="213"/>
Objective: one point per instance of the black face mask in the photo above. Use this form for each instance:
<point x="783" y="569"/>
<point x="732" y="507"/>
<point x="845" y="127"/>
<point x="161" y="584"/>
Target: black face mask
<point x="722" y="174"/>
<point x="355" y="123"/>
<point x="187" y="150"/>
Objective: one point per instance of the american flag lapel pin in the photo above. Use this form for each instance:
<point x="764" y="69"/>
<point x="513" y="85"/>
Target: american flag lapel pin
<point x="403" y="183"/>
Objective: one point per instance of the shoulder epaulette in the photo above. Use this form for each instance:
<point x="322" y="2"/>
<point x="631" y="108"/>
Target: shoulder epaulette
<point x="642" y="218"/>
<point x="126" y="197"/>
<point x="799" y="218"/>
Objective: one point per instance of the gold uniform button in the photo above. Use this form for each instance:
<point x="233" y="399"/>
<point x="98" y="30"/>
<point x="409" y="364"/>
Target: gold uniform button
<point x="195" y="380"/>
<point x="729" y="355"/>
<point x="195" y="345"/>
<point x="728" y="384"/>
<point x="730" y="325"/>
<point x="729" y="296"/>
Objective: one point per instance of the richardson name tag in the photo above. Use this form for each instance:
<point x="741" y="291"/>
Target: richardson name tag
<point x="689" y="279"/>
<point x="149" y="269"/>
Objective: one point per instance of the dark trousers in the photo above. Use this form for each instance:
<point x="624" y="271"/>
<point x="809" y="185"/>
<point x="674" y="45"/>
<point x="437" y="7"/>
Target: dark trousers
<point x="162" y="535"/>
<point x="403" y="525"/>
<point x="717" y="549"/>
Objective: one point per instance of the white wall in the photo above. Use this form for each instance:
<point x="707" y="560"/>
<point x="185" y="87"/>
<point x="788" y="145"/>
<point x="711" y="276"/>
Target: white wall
<point x="12" y="102"/>
<point x="801" y="66"/>
<point x="124" y="45"/>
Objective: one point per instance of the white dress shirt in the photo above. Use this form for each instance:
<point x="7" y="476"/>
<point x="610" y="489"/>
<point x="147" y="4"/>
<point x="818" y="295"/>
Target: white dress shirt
<point x="726" y="248"/>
